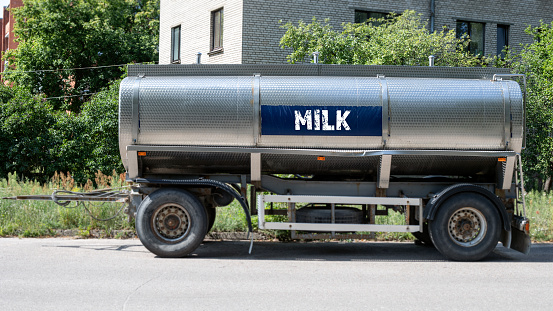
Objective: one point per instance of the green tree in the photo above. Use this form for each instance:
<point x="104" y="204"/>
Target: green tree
<point x="536" y="61"/>
<point x="36" y="141"/>
<point x="398" y="40"/>
<point x="55" y="35"/>
<point x="25" y="138"/>
<point x="87" y="142"/>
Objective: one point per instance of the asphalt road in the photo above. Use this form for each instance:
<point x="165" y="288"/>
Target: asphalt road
<point x="68" y="274"/>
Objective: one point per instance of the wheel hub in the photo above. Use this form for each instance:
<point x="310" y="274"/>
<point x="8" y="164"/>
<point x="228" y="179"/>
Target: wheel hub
<point x="467" y="226"/>
<point x="171" y="222"/>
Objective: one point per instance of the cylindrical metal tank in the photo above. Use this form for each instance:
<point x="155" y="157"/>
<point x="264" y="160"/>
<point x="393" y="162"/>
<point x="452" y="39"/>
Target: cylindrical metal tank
<point x="318" y="112"/>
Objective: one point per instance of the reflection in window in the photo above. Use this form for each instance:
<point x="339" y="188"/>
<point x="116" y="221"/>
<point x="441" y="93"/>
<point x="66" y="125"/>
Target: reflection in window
<point x="175" y="44"/>
<point x="217" y="30"/>
<point x="363" y="16"/>
<point x="475" y="31"/>
<point x="502" y="39"/>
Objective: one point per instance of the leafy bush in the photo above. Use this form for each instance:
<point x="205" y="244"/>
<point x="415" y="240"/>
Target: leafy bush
<point x="25" y="138"/>
<point x="399" y="40"/>
<point x="536" y="61"/>
<point x="88" y="142"/>
<point x="36" y="141"/>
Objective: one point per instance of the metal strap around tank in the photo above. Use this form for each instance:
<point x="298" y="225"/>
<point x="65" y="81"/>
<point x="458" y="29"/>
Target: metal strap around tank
<point x="135" y="109"/>
<point x="498" y="77"/>
<point x="385" y="102"/>
<point x="256" y="108"/>
<point x="507" y="109"/>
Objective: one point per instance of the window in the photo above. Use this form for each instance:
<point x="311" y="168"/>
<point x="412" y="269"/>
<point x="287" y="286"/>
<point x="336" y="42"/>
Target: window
<point x="175" y="45"/>
<point x="363" y="16"/>
<point x="217" y="31"/>
<point x="475" y="31"/>
<point x="502" y="39"/>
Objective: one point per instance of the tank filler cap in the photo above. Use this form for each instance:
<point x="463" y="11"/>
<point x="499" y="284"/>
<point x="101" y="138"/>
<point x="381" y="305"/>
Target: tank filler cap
<point x="315" y="57"/>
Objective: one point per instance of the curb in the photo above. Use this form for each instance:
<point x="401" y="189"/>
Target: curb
<point x="130" y="234"/>
<point x="235" y="236"/>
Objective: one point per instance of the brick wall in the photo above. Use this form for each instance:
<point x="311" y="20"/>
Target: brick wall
<point x="8" y="38"/>
<point x="252" y="31"/>
<point x="261" y="21"/>
<point x="194" y="17"/>
<point x="517" y="14"/>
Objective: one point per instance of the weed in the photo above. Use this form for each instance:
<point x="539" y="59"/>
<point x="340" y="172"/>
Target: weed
<point x="540" y="212"/>
<point x="40" y="218"/>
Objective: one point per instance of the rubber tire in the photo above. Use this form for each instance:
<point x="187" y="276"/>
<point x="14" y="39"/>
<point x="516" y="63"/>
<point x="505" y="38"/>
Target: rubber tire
<point x="211" y="215"/>
<point x="197" y="218"/>
<point x="439" y="231"/>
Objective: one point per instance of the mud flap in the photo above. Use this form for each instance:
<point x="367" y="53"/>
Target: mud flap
<point x="506" y="238"/>
<point x="520" y="241"/>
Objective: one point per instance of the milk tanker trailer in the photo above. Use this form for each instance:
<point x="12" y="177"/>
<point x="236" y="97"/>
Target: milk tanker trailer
<point x="336" y="145"/>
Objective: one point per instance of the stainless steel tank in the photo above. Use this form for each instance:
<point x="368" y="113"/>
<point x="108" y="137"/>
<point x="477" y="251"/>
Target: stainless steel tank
<point x="318" y="112"/>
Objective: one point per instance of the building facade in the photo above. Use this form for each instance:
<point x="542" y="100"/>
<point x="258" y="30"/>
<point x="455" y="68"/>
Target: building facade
<point x="248" y="31"/>
<point x="8" y="39"/>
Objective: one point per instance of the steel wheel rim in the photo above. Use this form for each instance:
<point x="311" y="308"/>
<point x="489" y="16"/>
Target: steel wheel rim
<point x="467" y="227"/>
<point x="171" y="223"/>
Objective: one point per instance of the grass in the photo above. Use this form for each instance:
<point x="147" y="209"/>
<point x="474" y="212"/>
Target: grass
<point x="45" y="218"/>
<point x="540" y="212"/>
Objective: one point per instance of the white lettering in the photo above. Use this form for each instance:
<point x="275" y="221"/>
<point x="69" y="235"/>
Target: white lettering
<point x="341" y="120"/>
<point x="305" y="120"/>
<point x="312" y="120"/>
<point x="326" y="127"/>
<point x="317" y="119"/>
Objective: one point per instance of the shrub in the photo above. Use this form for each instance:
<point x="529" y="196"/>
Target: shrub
<point x="88" y="142"/>
<point x="25" y="138"/>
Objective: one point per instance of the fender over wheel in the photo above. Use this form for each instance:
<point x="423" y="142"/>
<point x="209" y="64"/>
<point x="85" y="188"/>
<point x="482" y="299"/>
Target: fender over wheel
<point x="466" y="227"/>
<point x="171" y="222"/>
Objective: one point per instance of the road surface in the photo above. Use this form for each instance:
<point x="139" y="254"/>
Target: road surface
<point x="96" y="274"/>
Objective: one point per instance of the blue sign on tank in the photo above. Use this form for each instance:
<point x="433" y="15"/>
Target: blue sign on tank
<point x="321" y="120"/>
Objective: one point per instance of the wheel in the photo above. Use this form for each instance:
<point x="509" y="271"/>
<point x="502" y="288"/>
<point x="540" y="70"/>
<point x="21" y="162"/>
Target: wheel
<point x="466" y="227"/>
<point x="171" y="222"/>
<point x="211" y="215"/>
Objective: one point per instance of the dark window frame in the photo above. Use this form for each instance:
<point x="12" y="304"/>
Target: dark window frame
<point x="469" y="25"/>
<point x="506" y="30"/>
<point x="175" y="40"/>
<point x="357" y="14"/>
<point x="217" y="23"/>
